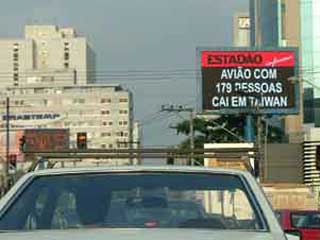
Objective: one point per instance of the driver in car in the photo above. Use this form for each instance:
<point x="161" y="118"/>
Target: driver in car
<point x="92" y="209"/>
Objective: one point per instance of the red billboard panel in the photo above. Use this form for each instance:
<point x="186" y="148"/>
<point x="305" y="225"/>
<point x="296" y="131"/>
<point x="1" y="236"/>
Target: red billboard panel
<point x="41" y="140"/>
<point x="257" y="81"/>
<point x="247" y="59"/>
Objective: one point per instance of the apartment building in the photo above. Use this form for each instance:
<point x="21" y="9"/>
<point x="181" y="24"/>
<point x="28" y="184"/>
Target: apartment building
<point x="47" y="55"/>
<point x="104" y="112"/>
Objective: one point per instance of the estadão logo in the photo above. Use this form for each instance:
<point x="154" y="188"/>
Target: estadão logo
<point x="247" y="59"/>
<point x="235" y="59"/>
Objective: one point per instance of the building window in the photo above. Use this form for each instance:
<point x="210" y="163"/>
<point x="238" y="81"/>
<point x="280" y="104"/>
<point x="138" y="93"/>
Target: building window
<point x="106" y="134"/>
<point x="39" y="91"/>
<point x="103" y="146"/>
<point x="15" y="57"/>
<point x="105" y="112"/>
<point x="66" y="65"/>
<point x="110" y="145"/>
<point x="105" y="100"/>
<point x="123" y="123"/>
<point x="123" y="100"/>
<point x="123" y="111"/>
<point x="122" y="144"/>
<point x="120" y="134"/>
<point x="107" y="123"/>
<point x="79" y="101"/>
<point x="66" y="56"/>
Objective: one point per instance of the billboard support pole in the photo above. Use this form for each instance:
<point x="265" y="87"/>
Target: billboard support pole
<point x="249" y="131"/>
<point x="260" y="161"/>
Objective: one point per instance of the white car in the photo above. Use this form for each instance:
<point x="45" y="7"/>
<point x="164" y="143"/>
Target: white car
<point x="138" y="203"/>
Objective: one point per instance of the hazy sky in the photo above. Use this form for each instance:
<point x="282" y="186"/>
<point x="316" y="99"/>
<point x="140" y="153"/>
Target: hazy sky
<point x="147" y="35"/>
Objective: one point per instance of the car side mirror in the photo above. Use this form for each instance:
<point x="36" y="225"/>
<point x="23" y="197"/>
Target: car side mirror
<point x="293" y="234"/>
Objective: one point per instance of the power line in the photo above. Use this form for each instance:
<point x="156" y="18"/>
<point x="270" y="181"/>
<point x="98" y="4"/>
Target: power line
<point x="125" y="73"/>
<point x="156" y="119"/>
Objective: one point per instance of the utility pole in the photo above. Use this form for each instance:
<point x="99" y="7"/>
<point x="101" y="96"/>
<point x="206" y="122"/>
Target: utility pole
<point x="259" y="147"/>
<point x="265" y="158"/>
<point x="180" y="108"/>
<point x="192" y="137"/>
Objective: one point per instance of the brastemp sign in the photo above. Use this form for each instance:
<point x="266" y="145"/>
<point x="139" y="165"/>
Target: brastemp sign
<point x="249" y="81"/>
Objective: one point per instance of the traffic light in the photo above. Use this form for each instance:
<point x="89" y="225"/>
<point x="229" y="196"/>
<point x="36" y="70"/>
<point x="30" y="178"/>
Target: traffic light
<point x="13" y="161"/>
<point x="22" y="144"/>
<point x="82" y="140"/>
<point x="318" y="157"/>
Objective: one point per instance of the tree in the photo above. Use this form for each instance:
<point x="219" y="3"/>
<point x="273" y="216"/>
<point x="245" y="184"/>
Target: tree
<point x="226" y="129"/>
<point x="215" y="131"/>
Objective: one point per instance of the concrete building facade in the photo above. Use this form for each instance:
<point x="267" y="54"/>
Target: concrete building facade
<point x="310" y="171"/>
<point x="47" y="55"/>
<point x="310" y="44"/>
<point x="264" y="23"/>
<point x="276" y="23"/>
<point x="104" y="112"/>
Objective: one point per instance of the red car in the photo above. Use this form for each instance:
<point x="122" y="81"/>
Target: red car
<point x="306" y="222"/>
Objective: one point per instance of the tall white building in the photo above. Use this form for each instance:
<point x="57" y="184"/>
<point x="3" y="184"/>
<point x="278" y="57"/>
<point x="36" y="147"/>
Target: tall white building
<point x="103" y="111"/>
<point x="241" y="30"/>
<point x="49" y="78"/>
<point x="48" y="55"/>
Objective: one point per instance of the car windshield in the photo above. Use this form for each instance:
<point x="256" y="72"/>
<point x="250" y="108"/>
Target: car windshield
<point x="133" y="200"/>
<point x="306" y="220"/>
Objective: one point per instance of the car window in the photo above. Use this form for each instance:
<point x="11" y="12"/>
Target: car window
<point x="306" y="220"/>
<point x="175" y="200"/>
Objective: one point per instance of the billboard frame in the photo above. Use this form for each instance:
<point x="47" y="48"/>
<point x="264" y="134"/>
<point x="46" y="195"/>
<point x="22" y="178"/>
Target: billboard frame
<point x="271" y="111"/>
<point x="48" y="130"/>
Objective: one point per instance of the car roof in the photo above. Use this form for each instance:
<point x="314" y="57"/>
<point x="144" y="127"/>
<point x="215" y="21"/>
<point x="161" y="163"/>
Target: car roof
<point x="140" y="168"/>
